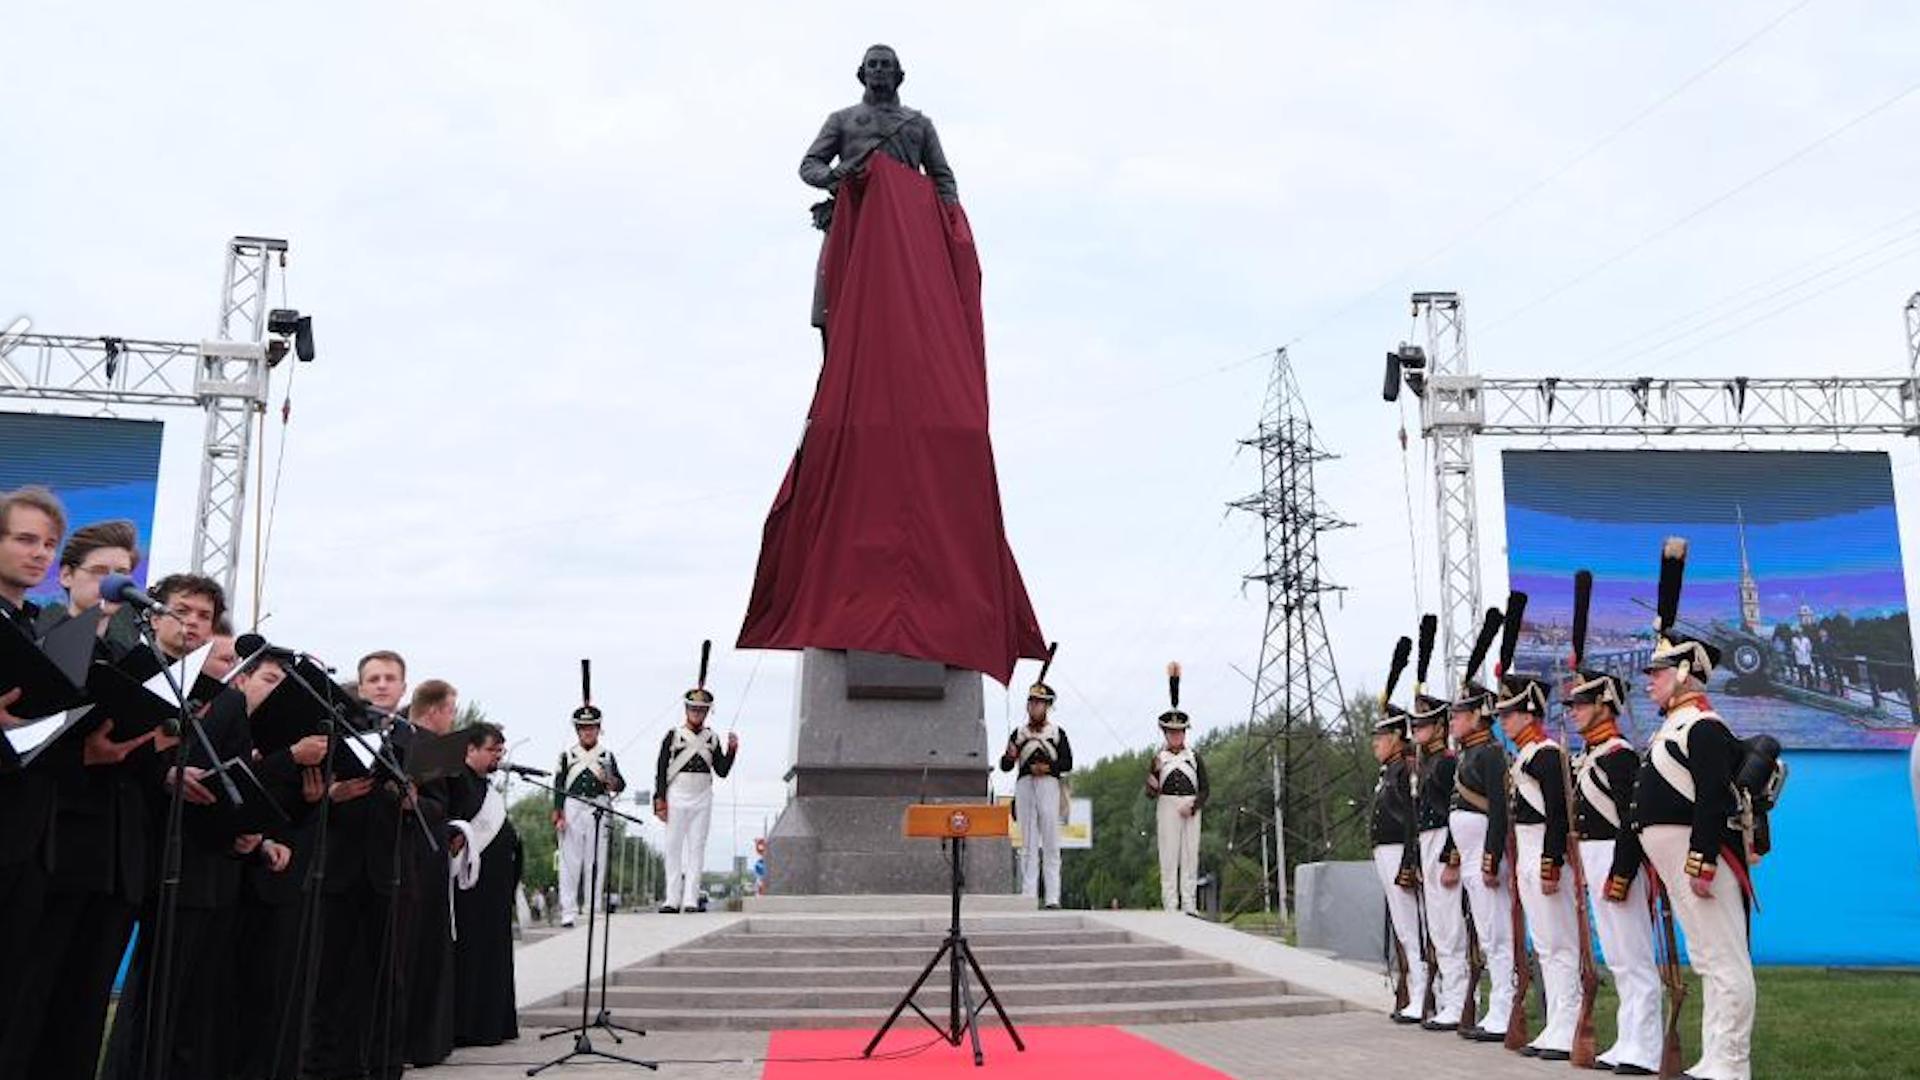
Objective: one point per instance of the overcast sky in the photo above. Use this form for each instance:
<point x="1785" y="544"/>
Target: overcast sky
<point x="560" y="264"/>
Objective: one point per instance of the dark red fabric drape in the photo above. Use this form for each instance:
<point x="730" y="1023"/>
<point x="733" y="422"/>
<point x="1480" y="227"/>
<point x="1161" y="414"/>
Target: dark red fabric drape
<point x="887" y="534"/>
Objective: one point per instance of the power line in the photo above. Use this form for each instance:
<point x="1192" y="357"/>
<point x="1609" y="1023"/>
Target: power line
<point x="1537" y="186"/>
<point x="1593" y="362"/>
<point x="1701" y="210"/>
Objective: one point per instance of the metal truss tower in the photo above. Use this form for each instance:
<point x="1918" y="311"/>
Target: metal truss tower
<point x="231" y="383"/>
<point x="1913" y="336"/>
<point x="1449" y="416"/>
<point x="1296" y="691"/>
<point x="1457" y="406"/>
<point x="226" y="378"/>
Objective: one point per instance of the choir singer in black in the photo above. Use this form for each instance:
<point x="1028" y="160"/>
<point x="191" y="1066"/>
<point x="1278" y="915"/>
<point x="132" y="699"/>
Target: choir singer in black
<point x="486" y="868"/>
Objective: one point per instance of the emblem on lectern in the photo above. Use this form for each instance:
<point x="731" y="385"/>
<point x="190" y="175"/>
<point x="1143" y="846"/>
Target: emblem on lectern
<point x="959" y="822"/>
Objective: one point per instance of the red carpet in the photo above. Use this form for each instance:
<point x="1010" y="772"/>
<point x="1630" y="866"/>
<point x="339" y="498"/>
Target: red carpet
<point x="1051" y="1054"/>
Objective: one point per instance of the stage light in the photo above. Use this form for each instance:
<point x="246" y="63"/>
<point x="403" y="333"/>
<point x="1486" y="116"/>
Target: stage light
<point x="1410" y="359"/>
<point x="285" y="323"/>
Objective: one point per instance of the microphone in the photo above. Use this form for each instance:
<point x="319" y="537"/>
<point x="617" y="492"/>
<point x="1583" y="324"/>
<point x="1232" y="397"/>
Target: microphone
<point x="525" y="770"/>
<point x="122" y="589"/>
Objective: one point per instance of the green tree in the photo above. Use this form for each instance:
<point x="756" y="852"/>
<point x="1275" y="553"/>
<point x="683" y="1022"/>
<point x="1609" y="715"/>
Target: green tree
<point x="634" y="867"/>
<point x="1123" y="864"/>
<point x="471" y="713"/>
<point x="532" y="818"/>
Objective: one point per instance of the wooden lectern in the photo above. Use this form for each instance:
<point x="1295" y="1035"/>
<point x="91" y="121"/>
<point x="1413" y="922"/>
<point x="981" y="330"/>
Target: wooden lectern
<point x="957" y="821"/>
<point x="953" y="824"/>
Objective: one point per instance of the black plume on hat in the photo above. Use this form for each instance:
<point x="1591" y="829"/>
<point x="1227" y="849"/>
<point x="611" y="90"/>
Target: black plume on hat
<point x="586" y="713"/>
<point x="1429" y="628"/>
<point x="1673" y="572"/>
<point x="1582" y="603"/>
<point x="1173" y="718"/>
<point x="1510" y="632"/>
<point x="1040" y="691"/>
<point x="700" y="695"/>
<point x="1402" y="650"/>
<point x="1489" y="629"/>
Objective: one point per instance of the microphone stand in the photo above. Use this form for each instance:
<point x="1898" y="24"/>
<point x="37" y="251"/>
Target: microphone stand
<point x="388" y="972"/>
<point x="582" y="1042"/>
<point x="312" y="927"/>
<point x="307" y="945"/>
<point x="156" y="1044"/>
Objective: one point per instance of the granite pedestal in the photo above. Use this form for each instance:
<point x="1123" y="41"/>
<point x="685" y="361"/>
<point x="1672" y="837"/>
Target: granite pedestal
<point x="1341" y="909"/>
<point x="872" y="734"/>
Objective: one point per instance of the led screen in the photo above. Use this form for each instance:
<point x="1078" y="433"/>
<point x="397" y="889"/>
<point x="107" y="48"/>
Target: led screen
<point x="101" y="468"/>
<point x="1793" y="570"/>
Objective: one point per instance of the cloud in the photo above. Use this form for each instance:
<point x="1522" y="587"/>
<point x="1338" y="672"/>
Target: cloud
<point x="560" y="266"/>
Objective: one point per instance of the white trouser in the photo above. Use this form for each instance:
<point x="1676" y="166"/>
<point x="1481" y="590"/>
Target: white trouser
<point x="577" y="861"/>
<point x="1556" y="940"/>
<point x="1626" y="941"/>
<point x="1447" y="926"/>
<point x="1037" y="798"/>
<point x="689" y="816"/>
<point x="1716" y="930"/>
<point x="1404" y="913"/>
<point x="1492" y="909"/>
<point x="1179" y="844"/>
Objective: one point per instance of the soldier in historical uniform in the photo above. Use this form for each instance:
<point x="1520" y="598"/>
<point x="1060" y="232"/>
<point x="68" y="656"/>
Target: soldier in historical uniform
<point x="690" y="757"/>
<point x="1039" y="754"/>
<point x="589" y="774"/>
<point x="1683" y="802"/>
<point x="878" y="123"/>
<point x="1439" y="859"/>
<point x="1477" y="821"/>
<point x="1390" y="824"/>
<point x="1177" y="783"/>
<point x="1539" y="802"/>
<point x="1393" y="828"/>
<point x="1603" y="796"/>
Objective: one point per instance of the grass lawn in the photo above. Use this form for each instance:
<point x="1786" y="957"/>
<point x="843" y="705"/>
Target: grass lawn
<point x="1812" y="1023"/>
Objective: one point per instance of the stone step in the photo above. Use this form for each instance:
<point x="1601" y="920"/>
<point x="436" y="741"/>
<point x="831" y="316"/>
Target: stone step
<point x="888" y="904"/>
<point x="972" y="923"/>
<point x="930" y="939"/>
<point x="903" y="974"/>
<point x="700" y="956"/>
<point x="882" y="996"/>
<point x="734" y="1019"/>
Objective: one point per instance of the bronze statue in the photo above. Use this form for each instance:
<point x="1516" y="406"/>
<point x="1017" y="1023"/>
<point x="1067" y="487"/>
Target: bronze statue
<point x="878" y="122"/>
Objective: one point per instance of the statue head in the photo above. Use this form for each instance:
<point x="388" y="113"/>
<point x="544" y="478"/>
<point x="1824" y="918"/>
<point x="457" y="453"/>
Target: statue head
<point x="880" y="72"/>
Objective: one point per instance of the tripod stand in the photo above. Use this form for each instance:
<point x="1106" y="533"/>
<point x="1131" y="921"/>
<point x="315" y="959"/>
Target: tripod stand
<point x="298" y="1012"/>
<point x="603" y="1020"/>
<point x="963" y="1016"/>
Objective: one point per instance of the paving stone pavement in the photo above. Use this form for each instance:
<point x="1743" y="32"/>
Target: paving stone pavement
<point x="512" y="1060"/>
<point x="1344" y="1046"/>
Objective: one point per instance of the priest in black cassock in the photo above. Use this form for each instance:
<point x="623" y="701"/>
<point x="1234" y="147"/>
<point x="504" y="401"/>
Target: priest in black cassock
<point x="432" y="712"/>
<point x="486" y="868"/>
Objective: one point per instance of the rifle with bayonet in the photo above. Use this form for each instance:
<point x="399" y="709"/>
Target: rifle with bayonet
<point x="1584" y="1051"/>
<point x="1522" y="951"/>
